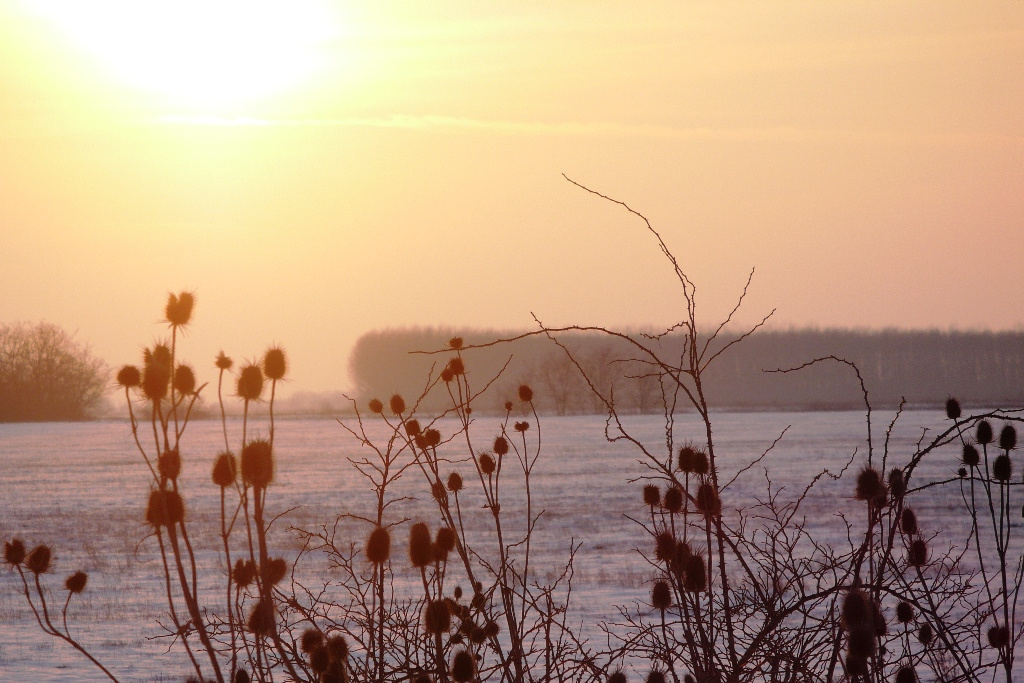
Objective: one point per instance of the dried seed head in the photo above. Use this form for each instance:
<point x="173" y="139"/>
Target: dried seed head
<point x="184" y="380"/>
<point x="76" y="582"/>
<point x="312" y="639"/>
<point x="491" y="629"/>
<point x="455" y="343"/>
<point x="224" y="469"/>
<point x="412" y="427"/>
<point x="655" y="676"/>
<point x="984" y="433"/>
<point x="971" y="457"/>
<point x="463" y="667"/>
<point x="869" y="485"/>
<point x="1002" y="468"/>
<point x="617" y="677"/>
<point x="500" y="446"/>
<point x="652" y="495"/>
<point x="447" y="375"/>
<point x="962" y="472"/>
<point x="378" y="546"/>
<point x="701" y="464"/>
<point x="160" y="354"/>
<point x="454" y="482"/>
<point x="337" y="648"/>
<point x="861" y="641"/>
<point x="908" y="521"/>
<point x="508" y="406"/>
<point x="687" y="454"/>
<point x="438" y="492"/>
<point x="164" y="508"/>
<point x="661" y="595"/>
<point x="432" y="438"/>
<point x="664" y="546"/>
<point x="375" y="405"/>
<point x="673" y="499"/>
<point x="258" y="463"/>
<point x="275" y="365"/>
<point x="261" y="618"/>
<point x="129" y="377"/>
<point x="856" y="666"/>
<point x="708" y="501"/>
<point x="917" y="553"/>
<point x="525" y="393"/>
<point x="476" y="633"/>
<point x="319" y="660"/>
<point x="897" y="484"/>
<point x="1008" y="437"/>
<point x="906" y="674"/>
<point x="241" y="676"/>
<point x="250" y="382"/>
<point x="904" y="612"/>
<point x="952" y="408"/>
<point x="486" y="463"/>
<point x="445" y="540"/>
<point x="397" y="404"/>
<point x="179" y="309"/>
<point x="456" y="366"/>
<point x="244" y="572"/>
<point x="14" y="552"/>
<point x="925" y="634"/>
<point x="522" y="426"/>
<point x="38" y="560"/>
<point x="223" y="362"/>
<point x="696" y="574"/>
<point x="155" y="378"/>
<point x="169" y="464"/>
<point x="855" y="608"/>
<point x="436" y="617"/>
<point x="275" y="570"/>
<point x="878" y="619"/>
<point x="998" y="636"/>
<point x="420" y="551"/>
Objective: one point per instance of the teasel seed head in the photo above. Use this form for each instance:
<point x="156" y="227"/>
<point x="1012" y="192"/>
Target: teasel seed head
<point x="455" y="343"/>
<point x="696" y="579"/>
<point x="962" y="473"/>
<point x="446" y="540"/>
<point x="925" y="634"/>
<point x="652" y="495"/>
<point x="164" y="508"/>
<point x="312" y="639"/>
<point x="701" y="463"/>
<point x="878" y="619"/>
<point x="856" y="666"/>
<point x="337" y="648"/>
<point x="664" y="546"/>
<point x="1002" y="468"/>
<point x="998" y="636"/>
<point x="258" y="463"/>
<point x="500" y="445"/>
<point x="76" y="582"/>
<point x="437" y="618"/>
<point x="917" y="553"/>
<point x="244" y="572"/>
<point x="673" y="499"/>
<point x="687" y="453"/>
<point x="454" y="482"/>
<point x="905" y="674"/>
<point x="274" y="571"/>
<point x="655" y="676"/>
<point x="262" y="618"/>
<point x="522" y="426"/>
<point x="250" y="382"/>
<point x="184" y="380"/>
<point x="486" y="463"/>
<point x="14" y="552"/>
<point x="155" y="378"/>
<point x="508" y="406"/>
<point x="971" y="457"/>
<point x="617" y="677"/>
<point x="952" y="408"/>
<point x="241" y="676"/>
<point x="1008" y="437"/>
<point x="491" y="628"/>
<point x="169" y="464"/>
<point x="869" y="485"/>
<point x="179" y="309"/>
<point x="456" y="366"/>
<point x="525" y="393"/>
<point x="897" y="484"/>
<point x="438" y="491"/>
<point x="432" y="438"/>
<point x="984" y="433"/>
<point x="375" y="405"/>
<point x="447" y="375"/>
<point x="463" y="667"/>
<point x="412" y="427"/>
<point x="223" y="362"/>
<point x="861" y="641"/>
<point x="904" y="612"/>
<point x="275" y="365"/>
<point x="378" y="546"/>
<point x="129" y="377"/>
<point x="38" y="560"/>
<point x="224" y="469"/>
<point x="421" y="553"/>
<point x="908" y="521"/>
<point x="319" y="660"/>
<point x="708" y="501"/>
<point x="855" y="609"/>
<point x="661" y="595"/>
<point x="397" y="404"/>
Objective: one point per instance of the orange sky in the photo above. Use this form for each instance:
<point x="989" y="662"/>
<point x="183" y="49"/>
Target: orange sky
<point x="403" y="168"/>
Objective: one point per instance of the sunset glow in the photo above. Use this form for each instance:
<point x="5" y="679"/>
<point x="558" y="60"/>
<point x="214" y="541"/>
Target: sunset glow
<point x="199" y="52"/>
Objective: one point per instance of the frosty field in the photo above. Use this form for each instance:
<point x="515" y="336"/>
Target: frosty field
<point x="82" y="489"/>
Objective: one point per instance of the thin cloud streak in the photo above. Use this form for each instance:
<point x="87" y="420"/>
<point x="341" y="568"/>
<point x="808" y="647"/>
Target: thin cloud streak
<point x="596" y="129"/>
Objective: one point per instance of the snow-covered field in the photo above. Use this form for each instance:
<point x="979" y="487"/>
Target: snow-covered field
<point x="82" y="489"/>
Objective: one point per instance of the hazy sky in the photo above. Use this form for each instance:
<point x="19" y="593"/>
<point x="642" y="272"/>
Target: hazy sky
<point x="320" y="169"/>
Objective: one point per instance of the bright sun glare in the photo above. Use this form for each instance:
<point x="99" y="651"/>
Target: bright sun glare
<point x="203" y="53"/>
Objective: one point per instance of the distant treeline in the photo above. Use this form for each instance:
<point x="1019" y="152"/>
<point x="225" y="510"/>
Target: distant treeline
<point x="924" y="367"/>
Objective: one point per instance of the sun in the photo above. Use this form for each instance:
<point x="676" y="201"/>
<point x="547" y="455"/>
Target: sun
<point x="200" y="53"/>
